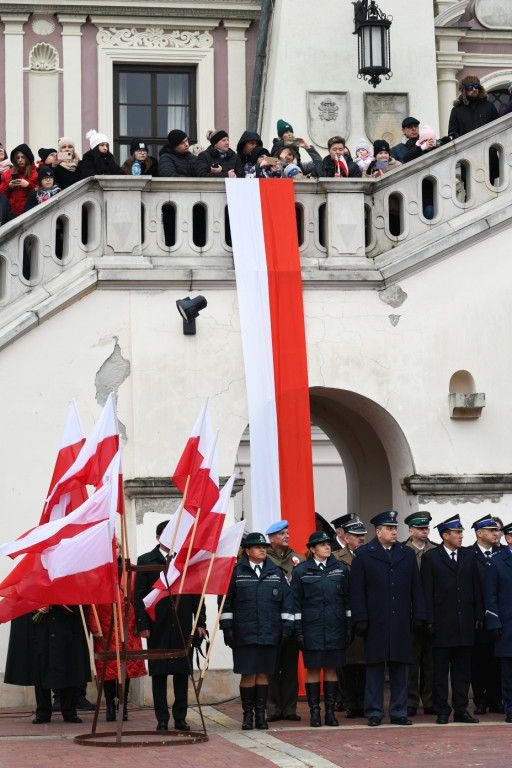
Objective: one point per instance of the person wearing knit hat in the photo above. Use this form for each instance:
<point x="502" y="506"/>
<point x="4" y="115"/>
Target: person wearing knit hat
<point x="472" y="109"/>
<point x="65" y="163"/>
<point x="47" y="156"/>
<point x="383" y="162"/>
<point x="98" y="161"/>
<point x="46" y="187"/>
<point x="363" y="154"/>
<point x="265" y="167"/>
<point x="17" y="181"/>
<point x="140" y="153"/>
<point x="410" y="131"/>
<point x="174" y="158"/>
<point x="288" y="152"/>
<point x="284" y="130"/>
<point x="219" y="161"/>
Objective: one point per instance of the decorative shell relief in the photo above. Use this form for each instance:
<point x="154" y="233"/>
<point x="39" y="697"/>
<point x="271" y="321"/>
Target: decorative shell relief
<point x="43" y="27"/>
<point x="43" y="58"/>
<point x="153" y="37"/>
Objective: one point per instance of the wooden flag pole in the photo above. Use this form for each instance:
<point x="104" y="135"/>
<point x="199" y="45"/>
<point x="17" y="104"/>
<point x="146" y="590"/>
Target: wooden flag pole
<point x="192" y="537"/>
<point x="119" y="607"/>
<point x="180" y="511"/>
<point x="212" y="638"/>
<point x="201" y="601"/>
<point x="118" y="660"/>
<point x="97" y="620"/>
<point x="91" y="654"/>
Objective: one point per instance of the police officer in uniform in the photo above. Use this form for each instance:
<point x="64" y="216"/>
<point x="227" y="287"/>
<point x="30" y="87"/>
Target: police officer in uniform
<point x="498" y="614"/>
<point x="257" y="617"/>
<point x="352" y="677"/>
<point x="323" y="622"/>
<point x="453" y="597"/>
<point x="386" y="596"/>
<point x="419" y="680"/>
<point x="485" y="667"/>
<point x="339" y="541"/>
<point x="283" y="684"/>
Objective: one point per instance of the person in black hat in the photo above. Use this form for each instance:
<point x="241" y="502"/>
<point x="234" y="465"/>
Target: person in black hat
<point x="257" y="617"/>
<point x="322" y="619"/>
<point x="411" y="131"/>
<point x="139" y="151"/>
<point x="46" y="187"/>
<point x="219" y="161"/>
<point x="339" y="541"/>
<point x="485" y="666"/>
<point x="382" y="162"/>
<point x="453" y="597"/>
<point x="174" y="158"/>
<point x="498" y="616"/>
<point x="419" y="680"/>
<point x="352" y="677"/>
<point x="386" y="597"/>
<point x="47" y="156"/>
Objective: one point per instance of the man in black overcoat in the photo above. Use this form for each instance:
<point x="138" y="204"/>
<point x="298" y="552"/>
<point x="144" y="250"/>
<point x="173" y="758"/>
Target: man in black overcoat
<point x="386" y="596"/>
<point x="454" y="603"/>
<point x="485" y="667"/>
<point x="165" y="633"/>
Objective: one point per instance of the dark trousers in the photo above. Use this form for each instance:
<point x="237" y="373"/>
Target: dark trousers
<point x="179" y="707"/>
<point x="419" y="682"/>
<point x="352" y="680"/>
<point x="374" y="689"/>
<point x="283" y="685"/>
<point x="485" y="675"/>
<point x="506" y="684"/>
<point x="453" y="662"/>
<point x="44" y="702"/>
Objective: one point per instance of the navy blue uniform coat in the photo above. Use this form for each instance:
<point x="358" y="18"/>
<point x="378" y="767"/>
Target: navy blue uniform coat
<point x="321" y="603"/>
<point x="386" y="592"/>
<point x="498" y="600"/>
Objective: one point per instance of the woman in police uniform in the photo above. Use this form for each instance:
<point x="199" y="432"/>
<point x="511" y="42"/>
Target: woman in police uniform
<point x="320" y="588"/>
<point x="257" y="616"/>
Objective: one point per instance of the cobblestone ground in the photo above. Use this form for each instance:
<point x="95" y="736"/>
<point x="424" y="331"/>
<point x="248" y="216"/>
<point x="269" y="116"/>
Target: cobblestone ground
<point x="289" y="745"/>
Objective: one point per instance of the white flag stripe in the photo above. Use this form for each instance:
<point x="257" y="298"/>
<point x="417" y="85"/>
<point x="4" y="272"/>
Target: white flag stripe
<point x="87" y="550"/>
<point x="211" y="461"/>
<point x="246" y="223"/>
<point x="185" y="524"/>
<point x="73" y="430"/>
<point x="203" y="428"/>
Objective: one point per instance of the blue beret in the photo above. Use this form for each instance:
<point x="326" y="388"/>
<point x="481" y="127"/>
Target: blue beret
<point x="276" y="527"/>
<point x="390" y="517"/>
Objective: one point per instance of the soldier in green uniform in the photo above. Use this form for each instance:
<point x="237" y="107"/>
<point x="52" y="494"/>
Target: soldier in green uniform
<point x="283" y="686"/>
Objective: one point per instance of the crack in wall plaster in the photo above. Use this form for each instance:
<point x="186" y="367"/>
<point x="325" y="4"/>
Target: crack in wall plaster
<point x="109" y="378"/>
<point x="394" y="296"/>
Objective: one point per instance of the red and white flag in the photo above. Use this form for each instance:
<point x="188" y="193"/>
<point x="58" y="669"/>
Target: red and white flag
<point x="203" y="489"/>
<point x="268" y="275"/>
<point x="91" y="463"/>
<point x="196" y="448"/>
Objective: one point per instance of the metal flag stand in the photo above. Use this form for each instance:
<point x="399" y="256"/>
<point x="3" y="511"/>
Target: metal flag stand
<point x="138" y="738"/>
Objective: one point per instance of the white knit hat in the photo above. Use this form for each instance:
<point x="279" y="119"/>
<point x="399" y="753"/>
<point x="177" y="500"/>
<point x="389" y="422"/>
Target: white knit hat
<point x="96" y="138"/>
<point x="66" y="140"/>
<point x="362" y="144"/>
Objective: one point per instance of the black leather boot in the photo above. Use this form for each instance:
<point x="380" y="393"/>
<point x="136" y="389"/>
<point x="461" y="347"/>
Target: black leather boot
<point x="330" y="692"/>
<point x="313" y="694"/>
<point x="109" y="688"/>
<point x="247" y="697"/>
<point x="259" y="707"/>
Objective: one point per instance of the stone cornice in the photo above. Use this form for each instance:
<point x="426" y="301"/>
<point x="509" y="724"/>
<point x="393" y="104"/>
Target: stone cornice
<point x="231" y="9"/>
<point x="164" y="488"/>
<point x="461" y="488"/>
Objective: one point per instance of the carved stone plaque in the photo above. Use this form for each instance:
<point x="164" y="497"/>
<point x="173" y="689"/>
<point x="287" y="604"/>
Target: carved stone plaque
<point x="328" y="115"/>
<point x="494" y="14"/>
<point x="383" y="115"/>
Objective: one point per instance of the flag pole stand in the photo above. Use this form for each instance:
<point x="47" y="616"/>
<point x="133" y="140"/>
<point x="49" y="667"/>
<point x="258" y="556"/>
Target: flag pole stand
<point x="140" y="738"/>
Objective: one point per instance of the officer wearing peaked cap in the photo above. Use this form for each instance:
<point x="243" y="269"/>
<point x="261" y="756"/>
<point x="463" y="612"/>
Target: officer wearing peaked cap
<point x="421" y="669"/>
<point x="339" y="541"/>
<point x="454" y="612"/>
<point x="485" y="667"/>
<point x="386" y="592"/>
<point x="257" y="617"/>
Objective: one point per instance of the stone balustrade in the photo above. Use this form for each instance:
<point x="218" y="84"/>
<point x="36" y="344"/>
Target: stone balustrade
<point x="149" y="231"/>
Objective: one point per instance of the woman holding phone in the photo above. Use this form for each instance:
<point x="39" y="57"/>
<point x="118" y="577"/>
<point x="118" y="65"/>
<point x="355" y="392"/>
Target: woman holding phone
<point x="65" y="163"/>
<point x="20" y="179"/>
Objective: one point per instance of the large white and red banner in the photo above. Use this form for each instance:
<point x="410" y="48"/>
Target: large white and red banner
<point x="266" y="255"/>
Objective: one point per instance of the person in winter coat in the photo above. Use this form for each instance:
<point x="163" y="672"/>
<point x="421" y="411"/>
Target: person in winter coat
<point x="336" y="164"/>
<point x="265" y="167"/>
<point x="98" y="161"/>
<point x="66" y="169"/>
<point x="287" y="151"/>
<point x="472" y="109"/>
<point x="6" y="213"/>
<point x="100" y="630"/>
<point x="218" y="160"/>
<point x="175" y="158"/>
<point x="383" y="162"/>
<point x="257" y="617"/>
<point x="46" y="187"/>
<point x="411" y="131"/>
<point x="139" y="151"/>
<point x="249" y="140"/>
<point x="164" y="632"/>
<point x="498" y="614"/>
<point x="5" y="163"/>
<point x="505" y="109"/>
<point x="20" y="179"/>
<point x="321" y="606"/>
<point x="386" y="597"/>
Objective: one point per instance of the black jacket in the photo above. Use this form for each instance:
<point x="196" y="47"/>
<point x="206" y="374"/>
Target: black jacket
<point x="96" y="163"/>
<point x="399" y="151"/>
<point x="329" y="168"/>
<point x="171" y="163"/>
<point x="211" y="156"/>
<point x="465" y="118"/>
<point x="6" y="213"/>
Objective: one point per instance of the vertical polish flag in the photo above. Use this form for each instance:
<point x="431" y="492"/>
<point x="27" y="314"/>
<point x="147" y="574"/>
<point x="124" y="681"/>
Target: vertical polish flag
<point x="203" y="489"/>
<point x="269" y="285"/>
<point x="195" y="449"/>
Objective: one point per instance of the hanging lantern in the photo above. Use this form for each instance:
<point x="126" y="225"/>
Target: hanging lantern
<point x="372" y="30"/>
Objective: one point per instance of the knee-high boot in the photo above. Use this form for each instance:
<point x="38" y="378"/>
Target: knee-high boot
<point x="313" y="694"/>
<point x="259" y="707"/>
<point x="109" y="688"/>
<point x="330" y="692"/>
<point x="125" y="698"/>
<point x="247" y="697"/>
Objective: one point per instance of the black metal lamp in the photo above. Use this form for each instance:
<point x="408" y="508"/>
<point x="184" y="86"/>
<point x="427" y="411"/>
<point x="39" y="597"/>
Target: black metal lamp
<point x="189" y="309"/>
<point x="373" y="52"/>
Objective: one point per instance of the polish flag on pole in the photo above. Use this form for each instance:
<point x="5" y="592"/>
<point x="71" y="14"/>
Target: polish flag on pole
<point x="195" y="450"/>
<point x="203" y="489"/>
<point x="269" y="285"/>
<point x="91" y="463"/>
